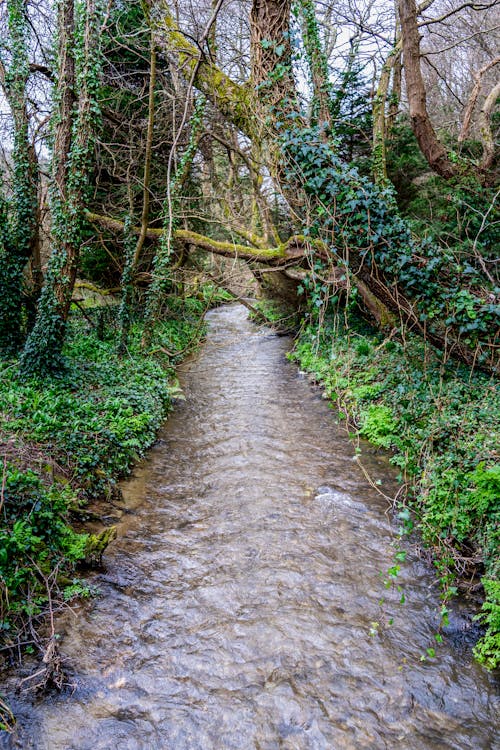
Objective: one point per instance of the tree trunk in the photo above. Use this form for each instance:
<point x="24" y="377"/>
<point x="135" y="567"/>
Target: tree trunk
<point x="484" y="121"/>
<point x="431" y="147"/>
<point x="271" y="52"/>
<point x="379" y="116"/>
<point x="318" y="66"/>
<point x="73" y="144"/>
<point x="23" y="242"/>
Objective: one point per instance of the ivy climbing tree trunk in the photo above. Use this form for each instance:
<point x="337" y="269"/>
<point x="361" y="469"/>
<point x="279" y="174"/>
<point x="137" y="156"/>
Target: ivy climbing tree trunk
<point x="161" y="277"/>
<point x="76" y="119"/>
<point x="322" y="104"/>
<point x="380" y="125"/>
<point x="21" y="241"/>
<point x="132" y="256"/>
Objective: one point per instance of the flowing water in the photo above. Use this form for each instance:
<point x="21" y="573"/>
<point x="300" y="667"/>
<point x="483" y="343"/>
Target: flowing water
<point x="241" y="602"/>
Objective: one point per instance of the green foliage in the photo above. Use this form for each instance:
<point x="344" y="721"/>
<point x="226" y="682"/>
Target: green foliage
<point x="93" y="421"/>
<point x="352" y="112"/>
<point x="17" y="217"/>
<point x="405" y="164"/>
<point x="377" y="422"/>
<point x="316" y="59"/>
<point x="42" y="355"/>
<point x="275" y="312"/>
<point x="125" y="313"/>
<point x="161" y="280"/>
<point x="35" y="540"/>
<point x="487" y="651"/>
<point x="10" y="287"/>
<point x="78" y="589"/>
<point x="458" y="214"/>
<point x="357" y="218"/>
<point x="442" y="426"/>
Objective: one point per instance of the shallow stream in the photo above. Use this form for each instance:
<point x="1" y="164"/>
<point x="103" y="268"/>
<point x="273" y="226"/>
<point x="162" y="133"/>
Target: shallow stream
<point x="242" y="602"/>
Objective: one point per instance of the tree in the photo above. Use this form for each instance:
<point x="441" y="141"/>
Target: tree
<point x="433" y="150"/>
<point x="75" y="124"/>
<point x="407" y="294"/>
<point x="21" y="242"/>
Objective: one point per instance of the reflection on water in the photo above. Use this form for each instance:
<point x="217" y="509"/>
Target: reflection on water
<point x="241" y="602"/>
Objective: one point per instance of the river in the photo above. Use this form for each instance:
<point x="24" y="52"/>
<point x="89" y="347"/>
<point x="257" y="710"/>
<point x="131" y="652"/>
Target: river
<point x="243" y="603"/>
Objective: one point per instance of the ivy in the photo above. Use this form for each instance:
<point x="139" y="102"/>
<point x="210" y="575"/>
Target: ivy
<point x="43" y="351"/>
<point x="10" y="283"/>
<point x="77" y="434"/>
<point x="317" y="61"/>
<point x="440" y="426"/>
<point x="127" y="287"/>
<point x="18" y="217"/>
<point x="356" y="217"/>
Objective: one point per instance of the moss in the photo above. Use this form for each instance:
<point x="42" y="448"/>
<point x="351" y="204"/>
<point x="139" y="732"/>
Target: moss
<point x="231" y="99"/>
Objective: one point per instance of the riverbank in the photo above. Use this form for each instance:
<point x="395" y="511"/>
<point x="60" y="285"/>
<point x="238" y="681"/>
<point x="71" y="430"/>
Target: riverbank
<point x="441" y="424"/>
<point x="242" y="602"/>
<point x="65" y="443"/>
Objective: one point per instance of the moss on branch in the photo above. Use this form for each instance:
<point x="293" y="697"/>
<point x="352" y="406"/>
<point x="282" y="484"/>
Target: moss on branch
<point x="233" y="100"/>
<point x="294" y="247"/>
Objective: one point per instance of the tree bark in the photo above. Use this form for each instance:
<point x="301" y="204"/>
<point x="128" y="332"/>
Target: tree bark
<point x="73" y="144"/>
<point x="379" y="116"/>
<point x="484" y="121"/>
<point x="471" y="104"/>
<point x="431" y="147"/>
<point x="234" y="101"/>
<point x="271" y="52"/>
<point x="23" y="244"/>
<point x="318" y="66"/>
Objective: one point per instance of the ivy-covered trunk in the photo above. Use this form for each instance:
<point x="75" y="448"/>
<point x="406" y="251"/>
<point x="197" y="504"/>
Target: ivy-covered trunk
<point x="272" y="53"/>
<point x="20" y="228"/>
<point x="76" y="119"/>
<point x="322" y="106"/>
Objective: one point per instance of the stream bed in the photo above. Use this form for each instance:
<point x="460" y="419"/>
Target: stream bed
<point x="243" y="603"/>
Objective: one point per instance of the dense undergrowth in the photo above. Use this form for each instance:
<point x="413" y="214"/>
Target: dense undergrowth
<point x="67" y="440"/>
<point x="440" y="423"/>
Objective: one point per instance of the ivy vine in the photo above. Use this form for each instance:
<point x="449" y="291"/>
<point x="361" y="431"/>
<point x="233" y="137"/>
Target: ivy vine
<point x="18" y="215"/>
<point x="43" y="351"/>
<point x="358" y="218"/>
